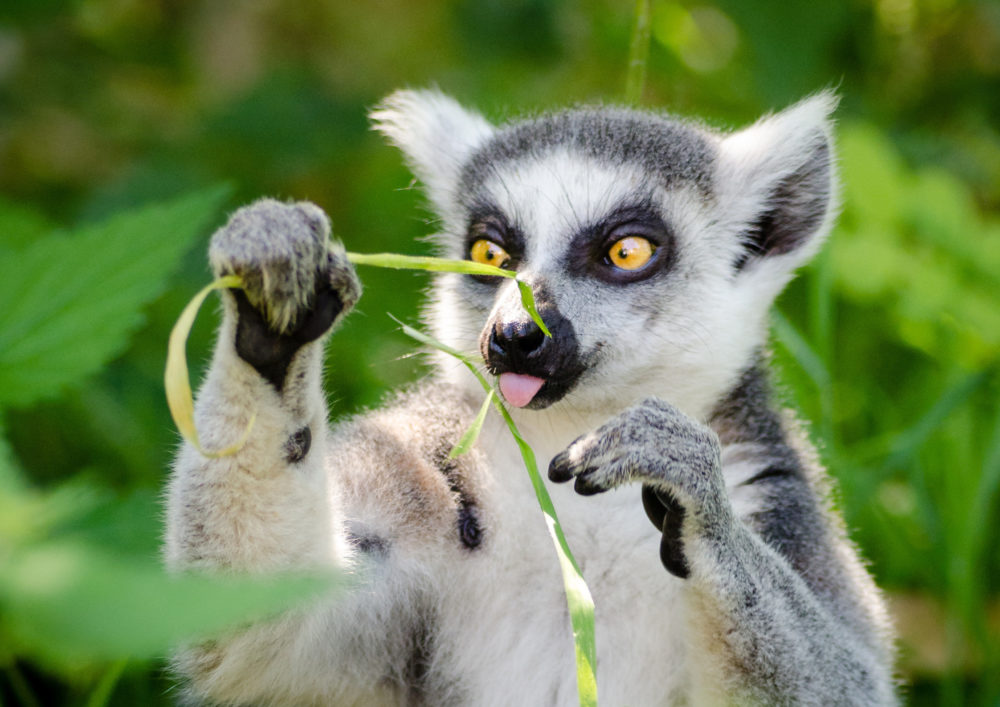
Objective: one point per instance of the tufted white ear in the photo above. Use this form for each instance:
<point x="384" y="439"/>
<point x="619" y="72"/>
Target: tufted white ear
<point x="776" y="179"/>
<point x="436" y="136"/>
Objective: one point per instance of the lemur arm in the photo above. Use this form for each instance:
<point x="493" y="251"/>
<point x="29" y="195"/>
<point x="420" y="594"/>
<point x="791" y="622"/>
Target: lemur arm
<point x="273" y="505"/>
<point x="762" y="630"/>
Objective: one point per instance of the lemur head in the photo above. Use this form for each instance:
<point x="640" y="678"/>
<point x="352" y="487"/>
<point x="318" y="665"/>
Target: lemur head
<point x="654" y="247"/>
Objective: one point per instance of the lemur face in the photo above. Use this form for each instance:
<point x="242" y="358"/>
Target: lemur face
<point x="599" y="243"/>
<point x="654" y="248"/>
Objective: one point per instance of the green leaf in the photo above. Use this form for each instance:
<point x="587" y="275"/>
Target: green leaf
<point x="20" y="225"/>
<point x="70" y="302"/>
<point x="66" y="602"/>
<point x="873" y="176"/>
<point x="470" y="436"/>
<point x="578" y="597"/>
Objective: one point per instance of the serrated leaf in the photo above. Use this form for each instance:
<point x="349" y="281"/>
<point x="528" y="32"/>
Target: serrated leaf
<point x="66" y="601"/>
<point x="70" y="302"/>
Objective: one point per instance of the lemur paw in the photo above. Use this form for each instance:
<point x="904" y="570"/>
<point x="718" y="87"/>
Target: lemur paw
<point x="651" y="442"/>
<point x="296" y="282"/>
<point x="285" y="257"/>
<point x="677" y="460"/>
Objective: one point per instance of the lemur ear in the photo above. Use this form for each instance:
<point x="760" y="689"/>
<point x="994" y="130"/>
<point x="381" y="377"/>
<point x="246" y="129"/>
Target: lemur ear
<point x="436" y="136"/>
<point x="777" y="180"/>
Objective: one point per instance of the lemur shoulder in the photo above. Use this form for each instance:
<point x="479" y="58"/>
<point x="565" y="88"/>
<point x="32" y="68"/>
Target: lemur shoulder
<point x="698" y="511"/>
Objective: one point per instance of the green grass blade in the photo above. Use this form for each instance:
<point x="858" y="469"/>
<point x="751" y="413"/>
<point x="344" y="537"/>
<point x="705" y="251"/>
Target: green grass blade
<point x="528" y="302"/>
<point x="463" y="267"/>
<point x="638" y="54"/>
<point x="910" y="440"/>
<point x="470" y="436"/>
<point x="175" y="376"/>
<point x="420" y="262"/>
<point x="19" y="686"/>
<point x="814" y="366"/>
<point x="578" y="597"/>
<point x="801" y="351"/>
<point x="106" y="687"/>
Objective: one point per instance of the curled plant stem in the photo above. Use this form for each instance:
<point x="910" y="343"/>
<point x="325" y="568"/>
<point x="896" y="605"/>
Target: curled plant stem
<point x="175" y="378"/>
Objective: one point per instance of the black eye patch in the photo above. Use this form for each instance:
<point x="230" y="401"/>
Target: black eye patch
<point x="491" y="224"/>
<point x="588" y="254"/>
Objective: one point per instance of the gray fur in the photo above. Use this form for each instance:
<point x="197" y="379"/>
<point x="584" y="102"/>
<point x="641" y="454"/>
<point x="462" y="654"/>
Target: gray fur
<point x="458" y="599"/>
<point x="668" y="148"/>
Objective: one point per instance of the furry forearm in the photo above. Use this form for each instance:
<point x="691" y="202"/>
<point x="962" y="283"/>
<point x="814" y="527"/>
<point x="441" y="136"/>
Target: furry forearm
<point x="268" y="506"/>
<point x="762" y="636"/>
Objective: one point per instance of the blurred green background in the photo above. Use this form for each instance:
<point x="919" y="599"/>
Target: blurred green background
<point x="889" y="343"/>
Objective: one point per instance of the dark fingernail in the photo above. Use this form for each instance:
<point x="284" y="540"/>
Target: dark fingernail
<point x="585" y="488"/>
<point x="559" y="468"/>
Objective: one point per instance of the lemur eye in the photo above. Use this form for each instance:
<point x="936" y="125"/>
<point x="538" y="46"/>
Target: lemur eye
<point x="489" y="253"/>
<point x="631" y="253"/>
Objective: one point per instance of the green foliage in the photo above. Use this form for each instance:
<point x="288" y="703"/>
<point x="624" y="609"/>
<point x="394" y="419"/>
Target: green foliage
<point x="909" y="417"/>
<point x="887" y="343"/>
<point x="70" y="596"/>
<point x="914" y="239"/>
<point x="67" y="603"/>
<point x="62" y="320"/>
<point x="19" y="226"/>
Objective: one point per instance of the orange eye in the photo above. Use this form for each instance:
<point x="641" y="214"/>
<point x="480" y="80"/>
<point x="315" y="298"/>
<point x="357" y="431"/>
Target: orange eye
<point x="489" y="253"/>
<point x="631" y="253"/>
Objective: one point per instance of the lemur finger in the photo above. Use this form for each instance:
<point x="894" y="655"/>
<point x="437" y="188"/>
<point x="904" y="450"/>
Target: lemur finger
<point x="342" y="277"/>
<point x="560" y="469"/>
<point x="667" y="514"/>
<point x="589" y="485"/>
<point x="655" y="509"/>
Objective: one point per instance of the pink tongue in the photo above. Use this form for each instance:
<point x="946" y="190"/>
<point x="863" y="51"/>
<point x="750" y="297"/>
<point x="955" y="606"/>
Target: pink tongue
<point x="518" y="389"/>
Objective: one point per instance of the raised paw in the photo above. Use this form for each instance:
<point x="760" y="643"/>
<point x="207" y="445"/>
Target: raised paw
<point x="296" y="282"/>
<point x="285" y="257"/>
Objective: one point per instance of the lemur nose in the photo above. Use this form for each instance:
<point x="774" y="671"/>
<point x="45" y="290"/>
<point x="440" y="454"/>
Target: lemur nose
<point x="516" y="340"/>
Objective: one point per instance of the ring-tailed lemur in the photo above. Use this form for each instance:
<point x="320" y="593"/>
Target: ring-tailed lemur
<point x="654" y="249"/>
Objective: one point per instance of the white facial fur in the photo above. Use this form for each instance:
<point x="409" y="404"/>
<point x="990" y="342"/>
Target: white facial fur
<point x="683" y="335"/>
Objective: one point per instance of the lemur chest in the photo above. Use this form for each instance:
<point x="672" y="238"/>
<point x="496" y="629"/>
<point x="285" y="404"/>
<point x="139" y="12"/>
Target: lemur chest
<point x="505" y="619"/>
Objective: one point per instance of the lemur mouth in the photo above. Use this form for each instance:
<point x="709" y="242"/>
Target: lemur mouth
<point x="533" y="370"/>
<point x="519" y="389"/>
<point x="537" y="381"/>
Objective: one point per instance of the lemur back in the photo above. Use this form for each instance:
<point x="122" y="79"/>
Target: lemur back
<point x="698" y="511"/>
